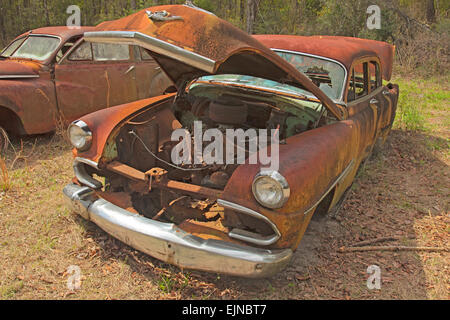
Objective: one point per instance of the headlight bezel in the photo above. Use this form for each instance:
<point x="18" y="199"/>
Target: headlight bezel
<point x="282" y="184"/>
<point x="87" y="135"/>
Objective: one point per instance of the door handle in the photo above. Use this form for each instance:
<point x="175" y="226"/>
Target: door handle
<point x="374" y="101"/>
<point x="386" y="92"/>
<point x="129" y="70"/>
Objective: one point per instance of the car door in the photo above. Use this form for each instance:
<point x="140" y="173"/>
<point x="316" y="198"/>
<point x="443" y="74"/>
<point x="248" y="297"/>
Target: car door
<point x="94" y="76"/>
<point x="151" y="79"/>
<point x="365" y="106"/>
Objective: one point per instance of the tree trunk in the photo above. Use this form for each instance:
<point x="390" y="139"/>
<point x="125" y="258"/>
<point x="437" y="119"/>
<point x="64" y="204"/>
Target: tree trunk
<point x="2" y="29"/>
<point x="251" y="13"/>
<point x="431" y="12"/>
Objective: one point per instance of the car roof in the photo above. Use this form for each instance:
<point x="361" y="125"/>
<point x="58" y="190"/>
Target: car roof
<point x="343" y="49"/>
<point x="63" y="32"/>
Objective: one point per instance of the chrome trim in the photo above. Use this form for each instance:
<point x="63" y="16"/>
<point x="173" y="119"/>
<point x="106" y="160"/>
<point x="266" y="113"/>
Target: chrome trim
<point x="12" y="76"/>
<point x="83" y="126"/>
<point x="275" y="175"/>
<point x="341" y="176"/>
<point x="153" y="44"/>
<point x="167" y="242"/>
<point x="247" y="236"/>
<point x="90" y="163"/>
<point x="81" y="174"/>
<point x="341" y="98"/>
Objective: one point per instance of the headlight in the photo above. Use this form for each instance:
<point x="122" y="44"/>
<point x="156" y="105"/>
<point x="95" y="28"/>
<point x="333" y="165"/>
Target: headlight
<point x="271" y="189"/>
<point x="79" y="135"/>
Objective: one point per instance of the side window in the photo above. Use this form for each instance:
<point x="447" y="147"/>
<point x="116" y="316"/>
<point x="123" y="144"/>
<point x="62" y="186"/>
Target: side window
<point x="145" y="55"/>
<point x="82" y="53"/>
<point x="110" y="52"/>
<point x="359" y="82"/>
<point x="375" y="76"/>
<point x="66" y="47"/>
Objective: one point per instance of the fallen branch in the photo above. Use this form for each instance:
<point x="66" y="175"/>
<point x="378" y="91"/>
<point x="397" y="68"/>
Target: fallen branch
<point x="391" y="248"/>
<point x="377" y="240"/>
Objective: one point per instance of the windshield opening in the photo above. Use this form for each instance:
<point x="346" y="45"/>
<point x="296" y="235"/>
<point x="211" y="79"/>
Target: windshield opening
<point x="257" y="83"/>
<point x="328" y="75"/>
<point x="34" y="47"/>
<point x="9" y="50"/>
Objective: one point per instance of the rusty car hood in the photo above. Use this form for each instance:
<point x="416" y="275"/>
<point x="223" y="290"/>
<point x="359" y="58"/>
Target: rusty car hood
<point x="189" y="43"/>
<point x="19" y="69"/>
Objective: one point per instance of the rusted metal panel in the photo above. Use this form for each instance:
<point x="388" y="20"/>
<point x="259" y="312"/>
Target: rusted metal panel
<point x="343" y="49"/>
<point x="88" y="87"/>
<point x="227" y="48"/>
<point x="107" y="120"/>
<point x="33" y="101"/>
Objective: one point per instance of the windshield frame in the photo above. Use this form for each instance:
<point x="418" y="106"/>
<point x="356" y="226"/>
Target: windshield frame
<point x="340" y="100"/>
<point x="50" y="58"/>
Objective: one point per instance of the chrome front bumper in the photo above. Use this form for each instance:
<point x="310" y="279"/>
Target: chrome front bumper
<point x="167" y="242"/>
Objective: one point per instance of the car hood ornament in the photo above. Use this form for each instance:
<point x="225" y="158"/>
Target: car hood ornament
<point x="161" y="16"/>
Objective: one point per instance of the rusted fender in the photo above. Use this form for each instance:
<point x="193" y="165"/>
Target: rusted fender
<point x="33" y="101"/>
<point x="19" y="68"/>
<point x="310" y="162"/>
<point x="103" y="123"/>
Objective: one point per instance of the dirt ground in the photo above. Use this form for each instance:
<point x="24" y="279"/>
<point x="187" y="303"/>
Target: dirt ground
<point x="402" y="191"/>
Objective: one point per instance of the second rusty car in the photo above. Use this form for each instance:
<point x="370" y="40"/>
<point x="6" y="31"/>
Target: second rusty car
<point x="324" y="97"/>
<point x="50" y="74"/>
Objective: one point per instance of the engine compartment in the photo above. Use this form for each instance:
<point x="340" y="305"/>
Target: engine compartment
<point x="171" y="193"/>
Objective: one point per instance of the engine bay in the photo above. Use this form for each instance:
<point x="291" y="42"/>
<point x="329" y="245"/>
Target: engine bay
<point x="187" y="194"/>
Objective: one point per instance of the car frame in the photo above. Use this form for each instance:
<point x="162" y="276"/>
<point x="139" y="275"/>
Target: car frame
<point x="151" y="206"/>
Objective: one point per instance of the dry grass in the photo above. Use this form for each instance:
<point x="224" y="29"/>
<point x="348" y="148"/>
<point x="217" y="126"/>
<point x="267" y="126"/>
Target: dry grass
<point x="402" y="192"/>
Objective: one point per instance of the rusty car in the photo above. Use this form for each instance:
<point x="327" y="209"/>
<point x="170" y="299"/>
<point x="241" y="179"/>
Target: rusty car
<point x="49" y="75"/>
<point x="324" y="97"/>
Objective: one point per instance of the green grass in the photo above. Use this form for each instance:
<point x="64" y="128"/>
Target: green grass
<point x="421" y="99"/>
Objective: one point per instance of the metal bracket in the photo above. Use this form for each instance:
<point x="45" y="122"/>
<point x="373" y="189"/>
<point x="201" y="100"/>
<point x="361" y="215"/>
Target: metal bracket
<point x="155" y="173"/>
<point x="162" y="16"/>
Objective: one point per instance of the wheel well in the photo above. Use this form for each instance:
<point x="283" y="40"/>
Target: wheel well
<point x="11" y="122"/>
<point x="324" y="206"/>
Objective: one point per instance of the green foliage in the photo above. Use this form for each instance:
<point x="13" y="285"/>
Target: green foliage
<point x="421" y="44"/>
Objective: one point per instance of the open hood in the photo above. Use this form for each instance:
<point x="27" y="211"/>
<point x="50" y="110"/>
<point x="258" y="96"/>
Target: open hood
<point x="189" y="42"/>
<point x="17" y="69"/>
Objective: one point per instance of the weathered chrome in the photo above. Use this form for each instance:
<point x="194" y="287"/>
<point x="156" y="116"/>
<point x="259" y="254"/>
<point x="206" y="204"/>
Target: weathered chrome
<point x="247" y="236"/>
<point x="82" y="175"/>
<point x="12" y="76"/>
<point x="276" y="176"/>
<point x="167" y="242"/>
<point x="153" y="44"/>
<point x="83" y="126"/>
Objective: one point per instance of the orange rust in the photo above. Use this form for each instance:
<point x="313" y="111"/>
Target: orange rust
<point x="231" y="49"/>
<point x="343" y="49"/>
<point x="207" y="230"/>
<point x="120" y="199"/>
